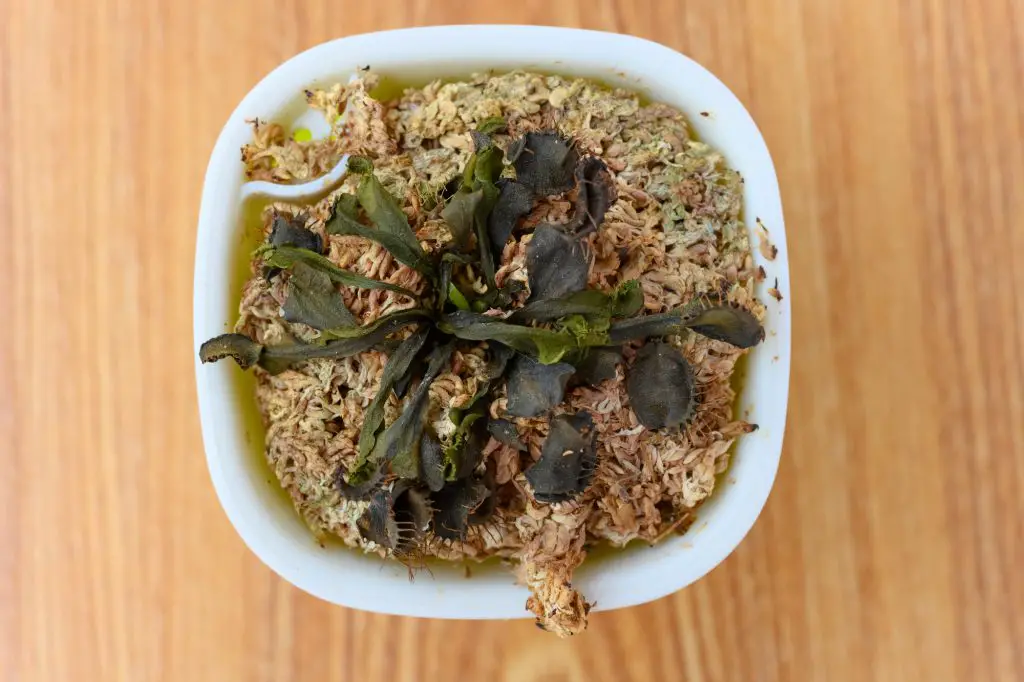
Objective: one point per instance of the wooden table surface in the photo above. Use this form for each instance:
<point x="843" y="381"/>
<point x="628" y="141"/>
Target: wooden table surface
<point x="892" y="547"/>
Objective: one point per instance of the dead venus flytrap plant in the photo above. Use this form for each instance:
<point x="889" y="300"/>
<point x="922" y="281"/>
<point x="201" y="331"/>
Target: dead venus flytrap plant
<point x="423" y="488"/>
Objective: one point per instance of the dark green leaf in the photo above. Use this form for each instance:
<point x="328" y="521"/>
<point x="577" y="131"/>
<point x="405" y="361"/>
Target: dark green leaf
<point x="399" y="444"/>
<point x="534" y="388"/>
<point x="567" y="461"/>
<point x="397" y="368"/>
<point x="595" y="194"/>
<point x="547" y="345"/>
<point x="313" y="300"/>
<point x="505" y="432"/>
<point x="292" y="232"/>
<point x="736" y="326"/>
<point x="287" y="256"/>
<point x="238" y="347"/>
<point x="544" y="162"/>
<point x="660" y="386"/>
<point x="646" y="326"/>
<point x="488" y="167"/>
<point x="459" y="215"/>
<point x="598" y="365"/>
<point x="454" y="504"/>
<point x="556" y="263"/>
<point x="514" y="202"/>
<point x="391" y="227"/>
<point x="483" y="240"/>
<point x="589" y="302"/>
<point x="276" y="359"/>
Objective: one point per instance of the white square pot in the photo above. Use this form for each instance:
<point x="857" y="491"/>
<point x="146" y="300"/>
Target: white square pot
<point x="264" y="519"/>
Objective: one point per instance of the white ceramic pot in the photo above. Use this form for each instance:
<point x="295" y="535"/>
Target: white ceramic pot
<point x="265" y="520"/>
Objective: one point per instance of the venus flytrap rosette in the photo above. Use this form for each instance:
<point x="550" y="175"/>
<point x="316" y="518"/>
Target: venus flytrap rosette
<point x="432" y="475"/>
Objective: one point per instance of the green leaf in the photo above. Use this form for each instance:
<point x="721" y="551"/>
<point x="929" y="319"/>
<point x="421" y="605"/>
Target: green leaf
<point x="556" y="264"/>
<point x="567" y="461"/>
<point x="547" y="345"/>
<point x="456" y="297"/>
<point x="544" y="162"/>
<point x="238" y="347"/>
<point x="360" y="165"/>
<point x="313" y="300"/>
<point x="276" y="359"/>
<point x="494" y="124"/>
<point x="628" y="299"/>
<point x="660" y="386"/>
<point x="391" y="227"/>
<point x="287" y="256"/>
<point x="467" y="446"/>
<point x="534" y="388"/>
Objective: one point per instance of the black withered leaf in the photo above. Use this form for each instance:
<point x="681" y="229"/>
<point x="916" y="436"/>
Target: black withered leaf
<point x="514" y="202"/>
<point x="276" y="359"/>
<point x="547" y="345"/>
<point x="287" y="231"/>
<point x="534" y="388"/>
<point x="567" y="461"/>
<point x="505" y="432"/>
<point x="736" y="326"/>
<point x="377" y="524"/>
<point x="397" y="368"/>
<point x="544" y="162"/>
<point x="486" y="508"/>
<point x="238" y="347"/>
<point x="399" y="444"/>
<point x="413" y="512"/>
<point x="287" y="256"/>
<point x="595" y="194"/>
<point x="312" y="299"/>
<point x="432" y="462"/>
<point x="556" y="263"/>
<point x="454" y="504"/>
<point x="660" y="386"/>
<point x="459" y="215"/>
<point x="598" y="365"/>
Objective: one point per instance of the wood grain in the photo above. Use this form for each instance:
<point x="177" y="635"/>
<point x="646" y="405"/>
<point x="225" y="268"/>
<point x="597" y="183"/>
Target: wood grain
<point x="893" y="545"/>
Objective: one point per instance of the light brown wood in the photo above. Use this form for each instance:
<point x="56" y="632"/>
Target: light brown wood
<point x="893" y="544"/>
